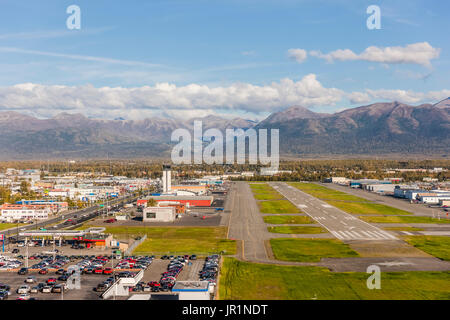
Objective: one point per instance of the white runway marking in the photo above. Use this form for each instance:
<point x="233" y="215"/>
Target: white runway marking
<point x="407" y="233"/>
<point x="326" y="206"/>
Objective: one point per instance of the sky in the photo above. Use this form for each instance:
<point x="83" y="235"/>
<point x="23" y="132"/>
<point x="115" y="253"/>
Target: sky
<point x="234" y="58"/>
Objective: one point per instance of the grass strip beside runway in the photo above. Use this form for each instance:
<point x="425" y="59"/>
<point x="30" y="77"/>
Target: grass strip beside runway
<point x="322" y="192"/>
<point x="310" y="250"/>
<point x="296" y="230"/>
<point x="250" y="281"/>
<point x="438" y="246"/>
<point x="367" y="208"/>
<point x="275" y="219"/>
<point x="403" y="219"/>
<point x="263" y="191"/>
<point x="277" y="206"/>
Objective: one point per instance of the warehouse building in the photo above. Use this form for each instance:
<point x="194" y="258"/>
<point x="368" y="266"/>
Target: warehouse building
<point x="188" y="201"/>
<point x="18" y="212"/>
<point x="159" y="214"/>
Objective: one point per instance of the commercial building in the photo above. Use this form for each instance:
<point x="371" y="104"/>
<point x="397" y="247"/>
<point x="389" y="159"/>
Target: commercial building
<point x="15" y="212"/>
<point x="159" y="214"/>
<point x="197" y="189"/>
<point x="188" y="201"/>
<point x="385" y="188"/>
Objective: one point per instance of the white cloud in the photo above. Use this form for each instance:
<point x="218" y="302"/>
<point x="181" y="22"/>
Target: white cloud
<point x="165" y="99"/>
<point x="298" y="55"/>
<point x="417" y="53"/>
<point x="308" y="92"/>
<point x="404" y="96"/>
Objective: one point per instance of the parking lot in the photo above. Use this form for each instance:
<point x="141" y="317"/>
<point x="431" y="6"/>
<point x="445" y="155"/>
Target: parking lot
<point x="156" y="270"/>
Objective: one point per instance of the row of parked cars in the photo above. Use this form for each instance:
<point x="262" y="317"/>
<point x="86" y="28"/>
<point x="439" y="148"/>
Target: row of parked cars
<point x="140" y="262"/>
<point x="7" y="263"/>
<point x="104" y="285"/>
<point x="210" y="269"/>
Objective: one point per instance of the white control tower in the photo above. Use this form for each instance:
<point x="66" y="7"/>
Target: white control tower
<point x="167" y="178"/>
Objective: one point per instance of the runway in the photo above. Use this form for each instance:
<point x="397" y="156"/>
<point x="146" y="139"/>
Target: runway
<point x="340" y="224"/>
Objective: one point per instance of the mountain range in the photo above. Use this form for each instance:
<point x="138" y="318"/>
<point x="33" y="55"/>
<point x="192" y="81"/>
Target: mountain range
<point x="377" y="129"/>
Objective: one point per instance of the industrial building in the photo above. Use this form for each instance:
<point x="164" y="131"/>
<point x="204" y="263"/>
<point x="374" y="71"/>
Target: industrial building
<point x="159" y="214"/>
<point x="19" y="212"/>
<point x="188" y="201"/>
<point x="197" y="189"/>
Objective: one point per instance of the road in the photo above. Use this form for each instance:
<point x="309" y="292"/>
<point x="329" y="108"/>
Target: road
<point x="417" y="209"/>
<point x="70" y="215"/>
<point x="340" y="224"/>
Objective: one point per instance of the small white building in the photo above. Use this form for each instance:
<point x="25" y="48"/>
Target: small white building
<point x="159" y="214"/>
<point x="193" y="290"/>
<point x="339" y="180"/>
<point x="380" y="187"/>
<point x="27" y="213"/>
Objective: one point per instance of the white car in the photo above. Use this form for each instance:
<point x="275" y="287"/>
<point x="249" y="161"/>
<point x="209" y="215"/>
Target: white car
<point x="47" y="289"/>
<point x="23" y="289"/>
<point x="30" y="279"/>
<point x="21" y="244"/>
<point x="24" y="296"/>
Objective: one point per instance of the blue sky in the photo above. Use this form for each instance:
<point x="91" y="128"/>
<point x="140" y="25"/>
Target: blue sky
<point x="190" y="58"/>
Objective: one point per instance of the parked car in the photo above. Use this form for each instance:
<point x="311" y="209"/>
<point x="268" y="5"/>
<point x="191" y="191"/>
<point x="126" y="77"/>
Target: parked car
<point x="23" y="289"/>
<point x="46" y="289"/>
<point x="101" y="287"/>
<point x="23" y="271"/>
<point x="24" y="296"/>
<point x="107" y="271"/>
<point x="30" y="279"/>
<point x="58" y="288"/>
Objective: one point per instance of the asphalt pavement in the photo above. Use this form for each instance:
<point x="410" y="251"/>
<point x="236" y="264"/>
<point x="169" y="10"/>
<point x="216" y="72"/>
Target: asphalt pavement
<point x="340" y="224"/>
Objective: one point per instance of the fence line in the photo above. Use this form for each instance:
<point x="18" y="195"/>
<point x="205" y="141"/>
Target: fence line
<point x="134" y="245"/>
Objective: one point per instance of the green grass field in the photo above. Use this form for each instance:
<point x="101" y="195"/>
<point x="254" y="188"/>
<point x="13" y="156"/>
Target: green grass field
<point x="287" y="219"/>
<point x="322" y="192"/>
<point x="403" y="228"/>
<point x="250" y="281"/>
<point x="403" y="219"/>
<point x="263" y="191"/>
<point x="437" y="246"/>
<point x="310" y="250"/>
<point x="277" y="206"/>
<point x="186" y="246"/>
<point x="166" y="232"/>
<point x="4" y="226"/>
<point x="367" y="208"/>
<point x="163" y="240"/>
<point x="296" y="230"/>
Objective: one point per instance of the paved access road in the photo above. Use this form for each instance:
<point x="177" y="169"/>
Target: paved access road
<point x="340" y="224"/>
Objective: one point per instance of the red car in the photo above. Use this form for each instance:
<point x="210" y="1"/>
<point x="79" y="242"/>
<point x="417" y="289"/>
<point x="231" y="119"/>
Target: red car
<point x="51" y="281"/>
<point x="43" y="271"/>
<point x="107" y="271"/>
<point x="110" y="220"/>
<point x="98" y="271"/>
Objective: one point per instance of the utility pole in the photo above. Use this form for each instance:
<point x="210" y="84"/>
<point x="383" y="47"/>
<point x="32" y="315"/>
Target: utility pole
<point x="26" y="261"/>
